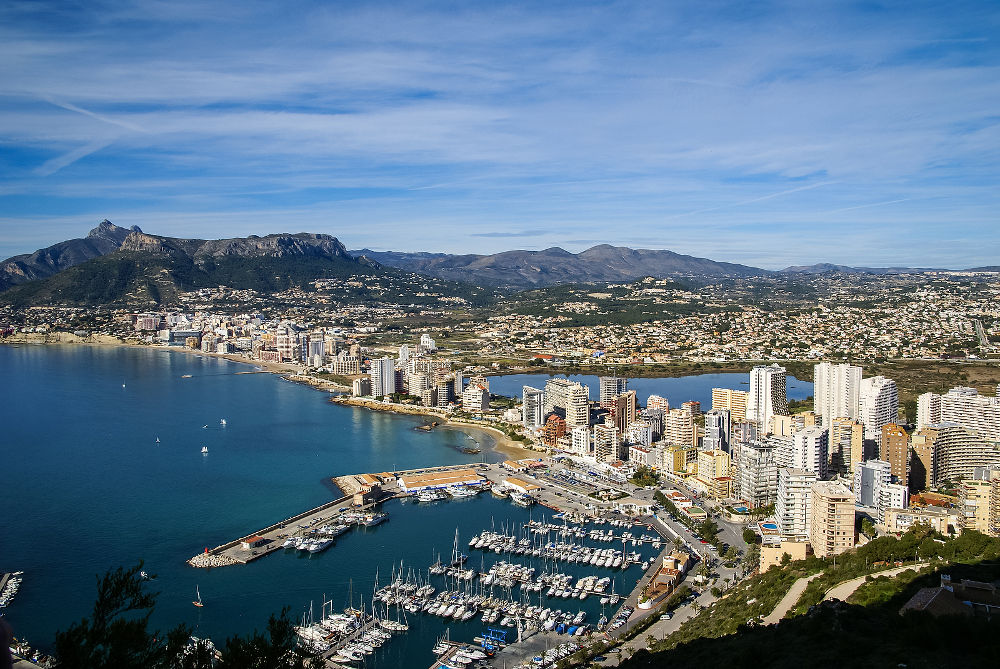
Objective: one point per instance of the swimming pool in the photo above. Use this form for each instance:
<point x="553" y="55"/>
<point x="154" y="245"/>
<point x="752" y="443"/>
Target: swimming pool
<point x="769" y="526"/>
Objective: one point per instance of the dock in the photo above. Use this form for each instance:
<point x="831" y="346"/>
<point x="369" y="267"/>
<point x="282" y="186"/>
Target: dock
<point x="268" y="539"/>
<point x="363" y="491"/>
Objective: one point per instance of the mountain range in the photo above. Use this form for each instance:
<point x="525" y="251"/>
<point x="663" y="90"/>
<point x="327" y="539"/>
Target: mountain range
<point x="115" y="264"/>
<point x="524" y="269"/>
<point x="150" y="269"/>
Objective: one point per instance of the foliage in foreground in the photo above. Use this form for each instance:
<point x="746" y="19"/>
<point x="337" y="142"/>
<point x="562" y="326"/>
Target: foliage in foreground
<point x="868" y="631"/>
<point x="117" y="636"/>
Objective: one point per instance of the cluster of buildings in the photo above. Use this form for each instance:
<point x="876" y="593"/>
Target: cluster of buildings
<point x="905" y="317"/>
<point x="815" y="472"/>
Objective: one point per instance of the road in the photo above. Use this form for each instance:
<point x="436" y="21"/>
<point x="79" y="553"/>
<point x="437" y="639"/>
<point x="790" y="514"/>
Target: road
<point x="789" y="600"/>
<point x="844" y="590"/>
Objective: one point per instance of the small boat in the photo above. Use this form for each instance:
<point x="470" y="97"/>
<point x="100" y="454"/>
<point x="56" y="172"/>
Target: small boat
<point x="197" y="602"/>
<point x="222" y="422"/>
<point x="123" y="385"/>
<point x="204" y="450"/>
<point x="144" y="576"/>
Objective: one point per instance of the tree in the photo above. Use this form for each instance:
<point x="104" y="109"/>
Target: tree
<point x="749" y="536"/>
<point x="117" y="636"/>
<point x="708" y="529"/>
<point x="117" y="633"/>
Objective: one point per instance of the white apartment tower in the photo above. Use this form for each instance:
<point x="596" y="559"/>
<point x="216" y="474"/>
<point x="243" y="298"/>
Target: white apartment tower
<point x="767" y="395"/>
<point x="836" y="391"/>
<point x="532" y="407"/>
<point x="810" y="451"/>
<point x="383" y="373"/>
<point x="717" y="430"/>
<point x="793" y="508"/>
<point x="879" y="406"/>
<point x="580" y="439"/>
<point x="980" y="414"/>
<point x="577" y="406"/>
<point x="755" y="474"/>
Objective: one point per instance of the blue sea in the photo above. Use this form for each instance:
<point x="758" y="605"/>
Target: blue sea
<point x="86" y="487"/>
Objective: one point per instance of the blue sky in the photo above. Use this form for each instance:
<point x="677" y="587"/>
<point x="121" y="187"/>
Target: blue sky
<point x="765" y="133"/>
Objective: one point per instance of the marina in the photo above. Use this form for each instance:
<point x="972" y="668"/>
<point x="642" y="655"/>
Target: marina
<point x="9" y="585"/>
<point x="554" y="573"/>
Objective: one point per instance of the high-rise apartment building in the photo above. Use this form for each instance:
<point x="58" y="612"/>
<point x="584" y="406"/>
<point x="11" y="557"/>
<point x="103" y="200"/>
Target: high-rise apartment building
<point x="948" y="452"/>
<point x="733" y="401"/>
<point x="756" y="473"/>
<point x="928" y="409"/>
<point x="836" y="391"/>
<point x="679" y="427"/>
<point x="879" y="406"/>
<point x="717" y="430"/>
<point x="831" y="526"/>
<point x="553" y="430"/>
<point x="793" y="509"/>
<point x="560" y="394"/>
<point x="476" y="397"/>
<point x="657" y="402"/>
<point x="639" y="433"/>
<point x="532" y="407"/>
<point x="445" y="393"/>
<point x="847" y="445"/>
<point x="977" y="413"/>
<point x="810" y="451"/>
<point x="976" y="495"/>
<point x="869" y="478"/>
<point x="713" y="474"/>
<point x="607" y="443"/>
<point x="578" y="406"/>
<point x="610" y="388"/>
<point x="767" y="395"/>
<point x="625" y="407"/>
<point x="896" y="450"/>
<point x="581" y="440"/>
<point x="383" y="373"/>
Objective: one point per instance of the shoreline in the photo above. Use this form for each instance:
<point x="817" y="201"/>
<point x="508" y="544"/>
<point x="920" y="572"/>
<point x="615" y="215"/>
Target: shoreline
<point x="289" y="371"/>
<point x="501" y="443"/>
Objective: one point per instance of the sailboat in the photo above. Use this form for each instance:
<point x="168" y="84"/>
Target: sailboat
<point x="157" y="440"/>
<point x="197" y="602"/>
<point x="204" y="450"/>
<point x="222" y="422"/>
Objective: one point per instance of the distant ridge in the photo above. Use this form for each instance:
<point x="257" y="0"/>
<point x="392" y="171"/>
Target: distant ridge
<point x="823" y="267"/>
<point x="149" y="269"/>
<point x="557" y="265"/>
<point x="103" y="239"/>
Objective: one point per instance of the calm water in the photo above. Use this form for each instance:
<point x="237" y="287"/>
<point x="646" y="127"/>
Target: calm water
<point x="87" y="488"/>
<point x="677" y="390"/>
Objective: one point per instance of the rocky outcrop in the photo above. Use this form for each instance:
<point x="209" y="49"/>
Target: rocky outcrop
<point x="105" y="238"/>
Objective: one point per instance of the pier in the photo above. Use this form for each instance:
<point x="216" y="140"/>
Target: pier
<point x="363" y="491"/>
<point x="267" y="540"/>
